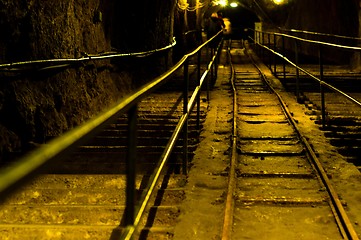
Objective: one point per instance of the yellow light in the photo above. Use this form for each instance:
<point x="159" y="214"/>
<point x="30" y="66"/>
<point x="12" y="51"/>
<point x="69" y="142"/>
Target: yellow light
<point x="233" y="4"/>
<point x="222" y="2"/>
<point x="278" y="2"/>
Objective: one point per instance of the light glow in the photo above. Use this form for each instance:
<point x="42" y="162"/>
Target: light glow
<point x="223" y="3"/>
<point x="233" y="4"/>
<point x="278" y="2"/>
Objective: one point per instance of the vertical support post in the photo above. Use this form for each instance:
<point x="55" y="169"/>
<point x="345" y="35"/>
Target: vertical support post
<point x="297" y="72"/>
<point x="262" y="49"/>
<point x="212" y="72"/>
<point x="131" y="166"/>
<point x="284" y="54"/>
<point x="199" y="94"/>
<point x="256" y="42"/>
<point x="215" y="65"/>
<point x="269" y="52"/>
<point x="322" y="89"/>
<point x="274" y="55"/>
<point x="185" y="110"/>
<point x="209" y="80"/>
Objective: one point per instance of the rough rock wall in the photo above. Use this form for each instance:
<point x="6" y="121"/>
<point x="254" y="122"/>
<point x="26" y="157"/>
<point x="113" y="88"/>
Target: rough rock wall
<point x="356" y="60"/>
<point x="332" y="17"/>
<point x="38" y="104"/>
<point x="141" y="26"/>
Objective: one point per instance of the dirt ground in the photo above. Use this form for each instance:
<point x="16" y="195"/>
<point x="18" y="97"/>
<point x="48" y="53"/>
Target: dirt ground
<point x="203" y="209"/>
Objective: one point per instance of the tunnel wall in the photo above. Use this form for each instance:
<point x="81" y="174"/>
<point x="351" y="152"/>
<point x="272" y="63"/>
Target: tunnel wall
<point x="356" y="60"/>
<point x="334" y="17"/>
<point x="36" y="105"/>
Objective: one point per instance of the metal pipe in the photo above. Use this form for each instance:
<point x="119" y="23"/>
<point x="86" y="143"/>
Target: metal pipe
<point x="319" y="34"/>
<point x="317" y="42"/>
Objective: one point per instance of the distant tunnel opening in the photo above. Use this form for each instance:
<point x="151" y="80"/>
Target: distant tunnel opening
<point x="240" y="19"/>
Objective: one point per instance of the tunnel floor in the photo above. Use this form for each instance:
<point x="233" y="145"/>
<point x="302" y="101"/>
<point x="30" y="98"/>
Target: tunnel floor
<point x="203" y="206"/>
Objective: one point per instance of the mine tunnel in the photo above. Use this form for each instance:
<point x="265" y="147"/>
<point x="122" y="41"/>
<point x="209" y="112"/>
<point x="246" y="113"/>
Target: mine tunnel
<point x="155" y="119"/>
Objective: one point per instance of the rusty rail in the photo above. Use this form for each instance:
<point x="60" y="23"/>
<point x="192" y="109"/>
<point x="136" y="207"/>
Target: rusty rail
<point x="344" y="224"/>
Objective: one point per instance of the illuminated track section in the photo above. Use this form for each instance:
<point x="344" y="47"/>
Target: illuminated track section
<point x="278" y="188"/>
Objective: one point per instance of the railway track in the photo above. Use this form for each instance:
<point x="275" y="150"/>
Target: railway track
<point x="281" y="190"/>
<point x="84" y="196"/>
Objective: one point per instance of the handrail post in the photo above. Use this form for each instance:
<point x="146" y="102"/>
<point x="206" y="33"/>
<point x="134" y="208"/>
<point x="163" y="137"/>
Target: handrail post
<point x="269" y="52"/>
<point x="259" y="44"/>
<point x="284" y="54"/>
<point x="274" y="55"/>
<point x="255" y="41"/>
<point x="210" y="79"/>
<point x="131" y="166"/>
<point x="185" y="110"/>
<point x="215" y="65"/>
<point x="262" y="49"/>
<point x="297" y="72"/>
<point x="322" y="89"/>
<point x="199" y="94"/>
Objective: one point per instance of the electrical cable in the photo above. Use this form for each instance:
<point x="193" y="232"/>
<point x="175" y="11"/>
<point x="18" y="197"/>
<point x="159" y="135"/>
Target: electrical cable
<point x="61" y="63"/>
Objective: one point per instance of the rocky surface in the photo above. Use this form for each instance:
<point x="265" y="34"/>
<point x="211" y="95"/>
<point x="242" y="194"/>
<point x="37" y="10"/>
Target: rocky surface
<point x="36" y="105"/>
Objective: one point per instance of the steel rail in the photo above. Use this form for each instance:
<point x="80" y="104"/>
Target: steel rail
<point x="341" y="217"/>
<point x="228" y="211"/>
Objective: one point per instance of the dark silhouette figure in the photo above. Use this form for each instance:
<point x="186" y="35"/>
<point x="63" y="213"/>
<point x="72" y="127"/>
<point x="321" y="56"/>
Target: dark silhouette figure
<point x="214" y="24"/>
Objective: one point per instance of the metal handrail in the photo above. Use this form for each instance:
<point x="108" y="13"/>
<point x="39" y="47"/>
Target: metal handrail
<point x="298" y="68"/>
<point x="309" y="41"/>
<point x="319" y="34"/>
<point x="66" y="62"/>
<point x="182" y="123"/>
<point x="15" y="175"/>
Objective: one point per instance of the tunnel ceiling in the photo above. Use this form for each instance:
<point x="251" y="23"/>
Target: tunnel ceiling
<point x="270" y="11"/>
